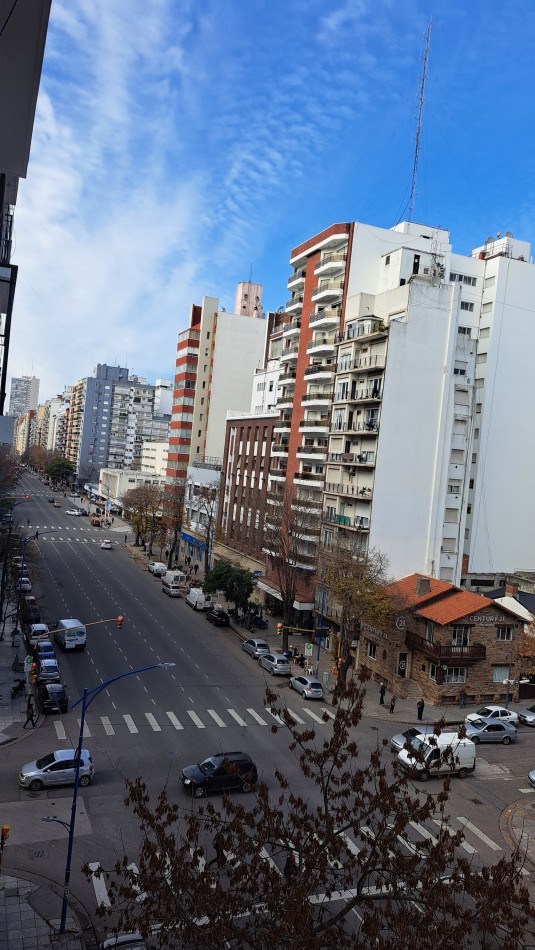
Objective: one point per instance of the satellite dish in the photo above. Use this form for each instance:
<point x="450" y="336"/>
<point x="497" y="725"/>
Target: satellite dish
<point x="498" y="233"/>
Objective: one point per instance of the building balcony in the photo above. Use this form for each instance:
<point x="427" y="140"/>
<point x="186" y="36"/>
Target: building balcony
<point x="287" y="375"/>
<point x="289" y="353"/>
<point x="279" y="448"/>
<point x="371" y="427"/>
<point x="328" y="290"/>
<point x="362" y="363"/>
<point x="316" y="425"/>
<point x="352" y="458"/>
<point x="361" y="395"/>
<point x="295" y="305"/>
<point x="286" y="401"/>
<point x="323" y="346"/>
<point x="445" y="652"/>
<point x="293" y="328"/>
<point x="313" y="479"/>
<point x="346" y="488"/>
<point x="313" y="451"/>
<point x="331" y="263"/>
<point x="368" y="327"/>
<point x="297" y="279"/>
<point x="328" y="317"/>
<point x="359" y="522"/>
<point x="320" y="370"/>
<point x="279" y="474"/>
<point x="283" y="425"/>
<point x="318" y="398"/>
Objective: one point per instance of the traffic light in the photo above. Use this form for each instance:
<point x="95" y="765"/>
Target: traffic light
<point x="119" y="621"/>
<point x="5" y="836"/>
<point x="280" y="628"/>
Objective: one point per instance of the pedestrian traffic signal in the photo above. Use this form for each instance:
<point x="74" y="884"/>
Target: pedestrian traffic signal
<point x="5" y="834"/>
<point x="119" y="621"/>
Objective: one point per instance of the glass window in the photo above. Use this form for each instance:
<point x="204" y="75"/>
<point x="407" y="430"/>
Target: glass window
<point x="455" y="674"/>
<point x="500" y="673"/>
<point x="372" y="650"/>
<point x="504" y="633"/>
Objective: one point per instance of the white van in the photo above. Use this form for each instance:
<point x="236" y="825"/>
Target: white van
<point x="170" y="588"/>
<point x="448" y="755"/>
<point x="197" y="599"/>
<point x="70" y="634"/>
<point x="174" y="578"/>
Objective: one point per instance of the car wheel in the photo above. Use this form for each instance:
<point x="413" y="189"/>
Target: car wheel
<point x="424" y="775"/>
<point x="36" y="785"/>
<point x="463" y="773"/>
<point x="198" y="791"/>
<point x="506" y="740"/>
<point x="84" y="780"/>
<point x="475" y="740"/>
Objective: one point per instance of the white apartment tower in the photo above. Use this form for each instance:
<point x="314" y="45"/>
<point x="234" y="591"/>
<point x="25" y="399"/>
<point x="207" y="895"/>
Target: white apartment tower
<point x="24" y="394"/>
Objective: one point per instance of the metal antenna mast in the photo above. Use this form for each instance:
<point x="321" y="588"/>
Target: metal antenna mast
<point x="423" y="78"/>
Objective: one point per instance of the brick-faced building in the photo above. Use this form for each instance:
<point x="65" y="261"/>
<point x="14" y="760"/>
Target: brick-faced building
<point x="446" y="640"/>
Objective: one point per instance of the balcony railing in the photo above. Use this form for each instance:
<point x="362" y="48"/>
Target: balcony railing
<point x="277" y="472"/>
<point x="310" y="397"/>
<point x="294" y="302"/>
<point x="369" y="362"/>
<point x="314" y="370"/>
<point x="279" y="447"/>
<point x="311" y="449"/>
<point x="441" y="651"/>
<point x="308" y="477"/>
<point x="328" y="287"/>
<point x="322" y="423"/>
<point x="345" y="488"/>
<point x="329" y="313"/>
<point x="330" y="259"/>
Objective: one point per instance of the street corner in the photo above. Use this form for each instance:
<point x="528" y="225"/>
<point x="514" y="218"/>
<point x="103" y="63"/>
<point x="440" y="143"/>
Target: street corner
<point x="517" y="824"/>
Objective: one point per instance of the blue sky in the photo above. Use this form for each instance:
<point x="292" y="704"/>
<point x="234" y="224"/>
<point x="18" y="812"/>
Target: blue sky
<point x="178" y="143"/>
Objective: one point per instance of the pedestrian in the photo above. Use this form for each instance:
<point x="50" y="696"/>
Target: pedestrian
<point x="112" y="520"/>
<point x="382" y="691"/>
<point x="28" y="522"/>
<point x="463" y="697"/>
<point x="219" y="853"/>
<point x="29" y="713"/>
<point x="125" y="538"/>
<point x="290" y="868"/>
<point x="195" y="568"/>
<point x="420" y="707"/>
<point x="392" y="703"/>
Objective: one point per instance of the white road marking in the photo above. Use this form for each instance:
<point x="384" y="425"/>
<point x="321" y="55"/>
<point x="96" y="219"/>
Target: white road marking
<point x="234" y="714"/>
<point x="172" y="718"/>
<point x="479" y="834"/>
<point x="423" y="832"/>
<point x="99" y="884"/>
<point x="141" y="895"/>
<point x="87" y="734"/>
<point x="329" y="712"/>
<point x="295" y="717"/>
<point x="313" y="715"/>
<point x="464" y="844"/>
<point x="256" y="717"/>
<point x="130" y="723"/>
<point x="152" y="722"/>
<point x="217" y="719"/>
<point x="60" y="730"/>
<point x="194" y="718"/>
<point x="108" y="728"/>
<point x="276" y="718"/>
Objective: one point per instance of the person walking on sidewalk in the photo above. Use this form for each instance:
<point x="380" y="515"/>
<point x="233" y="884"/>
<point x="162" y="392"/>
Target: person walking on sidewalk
<point x="420" y="709"/>
<point x="382" y="691"/>
<point x="195" y="568"/>
<point x="125" y="538"/>
<point x="463" y="697"/>
<point x="219" y="853"/>
<point x="392" y="703"/>
<point x="29" y="713"/>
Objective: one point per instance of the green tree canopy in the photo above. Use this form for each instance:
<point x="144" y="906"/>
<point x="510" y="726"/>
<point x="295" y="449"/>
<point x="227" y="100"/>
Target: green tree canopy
<point x="60" y="469"/>
<point x="237" y="583"/>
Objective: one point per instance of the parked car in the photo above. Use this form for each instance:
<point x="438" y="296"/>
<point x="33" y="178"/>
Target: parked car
<point x="30" y="613"/>
<point x="35" y="633"/>
<point x="106" y="545"/>
<point x="82" y="511"/>
<point x="256" y="648"/>
<point x="130" y="941"/>
<point x="48" y="672"/>
<point x="308" y="686"/>
<point x="527" y="716"/>
<point x="56" y="768"/>
<point x="73" y="511"/>
<point x="25" y="585"/>
<point x="493" y="712"/>
<point x="531" y="779"/>
<point x="218" y="616"/>
<point x="220" y="772"/>
<point x="398" y="742"/>
<point x="52" y="698"/>
<point x="275" y="663"/>
<point x="95" y="522"/>
<point x="45" y="649"/>
<point x="493" y="730"/>
<point x="198" y="599"/>
<point x="158" y="568"/>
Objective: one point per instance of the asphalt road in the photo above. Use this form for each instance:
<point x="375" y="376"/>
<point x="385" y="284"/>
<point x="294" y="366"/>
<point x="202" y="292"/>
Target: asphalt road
<point x="154" y="723"/>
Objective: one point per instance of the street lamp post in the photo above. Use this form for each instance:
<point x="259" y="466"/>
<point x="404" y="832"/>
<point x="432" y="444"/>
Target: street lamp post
<point x="86" y="700"/>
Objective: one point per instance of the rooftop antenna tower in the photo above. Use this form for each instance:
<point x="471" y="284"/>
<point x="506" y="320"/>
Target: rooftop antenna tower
<point x="423" y="78"/>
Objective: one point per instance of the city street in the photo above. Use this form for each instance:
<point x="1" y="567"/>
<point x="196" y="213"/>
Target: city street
<point x="152" y="724"/>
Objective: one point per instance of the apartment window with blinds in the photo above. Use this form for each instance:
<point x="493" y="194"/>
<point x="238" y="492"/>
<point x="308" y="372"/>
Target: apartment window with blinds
<point x="466" y="305"/>
<point x="452" y="516"/>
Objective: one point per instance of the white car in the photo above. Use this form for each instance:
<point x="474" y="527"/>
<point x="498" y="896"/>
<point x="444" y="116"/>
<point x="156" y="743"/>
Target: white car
<point x="158" y="568"/>
<point x="73" y="511"/>
<point x="105" y="545"/>
<point x="493" y="712"/>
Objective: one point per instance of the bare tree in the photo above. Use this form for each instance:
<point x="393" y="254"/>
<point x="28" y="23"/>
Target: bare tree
<point x="325" y="867"/>
<point x="357" y="583"/>
<point x="207" y="503"/>
<point x="291" y="529"/>
<point x="144" y="504"/>
<point x="173" y="514"/>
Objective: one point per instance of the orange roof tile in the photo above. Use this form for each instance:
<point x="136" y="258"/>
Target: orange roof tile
<point x="452" y="608"/>
<point x="407" y="589"/>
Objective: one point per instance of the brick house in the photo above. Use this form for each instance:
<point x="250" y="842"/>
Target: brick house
<point x="445" y="640"/>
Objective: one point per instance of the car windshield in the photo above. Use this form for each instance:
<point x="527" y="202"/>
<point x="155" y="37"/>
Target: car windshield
<point x="54" y="688"/>
<point x="419" y="745"/>
<point x="314" y="685"/>
<point x="485" y="711"/>
<point x="208" y="766"/>
<point x="478" y="723"/>
<point x="46" y="760"/>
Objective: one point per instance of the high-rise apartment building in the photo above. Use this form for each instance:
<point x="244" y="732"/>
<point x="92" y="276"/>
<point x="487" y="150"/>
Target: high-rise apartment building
<point x="216" y="361"/>
<point x="24" y="394"/>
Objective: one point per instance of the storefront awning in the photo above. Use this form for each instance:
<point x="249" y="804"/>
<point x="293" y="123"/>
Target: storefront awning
<point x="273" y="592"/>
<point x="192" y="540"/>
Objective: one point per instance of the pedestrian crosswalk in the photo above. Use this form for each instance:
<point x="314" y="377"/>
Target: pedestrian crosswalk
<point x="198" y="718"/>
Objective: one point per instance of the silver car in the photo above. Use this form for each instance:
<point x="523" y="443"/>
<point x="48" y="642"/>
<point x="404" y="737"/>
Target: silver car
<point x="56" y="768"/>
<point x="275" y="663"/>
<point x="398" y="742"/>
<point x="308" y="686"/>
<point x="256" y="648"/>
<point x="527" y="716"/>
<point x="490" y="730"/>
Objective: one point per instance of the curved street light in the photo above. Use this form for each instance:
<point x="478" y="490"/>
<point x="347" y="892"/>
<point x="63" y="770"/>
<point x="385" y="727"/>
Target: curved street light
<point x="86" y="700"/>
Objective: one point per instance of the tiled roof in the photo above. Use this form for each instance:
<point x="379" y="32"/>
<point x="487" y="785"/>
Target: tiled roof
<point x="407" y="589"/>
<point x="458" y="605"/>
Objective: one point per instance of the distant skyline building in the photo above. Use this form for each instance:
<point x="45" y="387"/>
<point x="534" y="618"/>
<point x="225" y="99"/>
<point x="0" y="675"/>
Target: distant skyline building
<point x="24" y="394"/>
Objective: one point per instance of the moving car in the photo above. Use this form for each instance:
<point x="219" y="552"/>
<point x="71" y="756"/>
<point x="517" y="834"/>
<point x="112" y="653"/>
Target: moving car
<point x="256" y="648"/>
<point x="56" y="768"/>
<point x="493" y="712"/>
<point x="106" y="545"/>
<point x="73" y="511"/>
<point x="221" y="772"/>
<point x="57" y="504"/>
<point x="275" y="663"/>
<point x="485" y="730"/>
<point x="158" y="568"/>
<point x="398" y="742"/>
<point x="448" y="755"/>
<point x="527" y="716"/>
<point x="218" y="616"/>
<point x="51" y="500"/>
<point x="70" y="634"/>
<point x="531" y="779"/>
<point x="308" y="686"/>
<point x="52" y="698"/>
